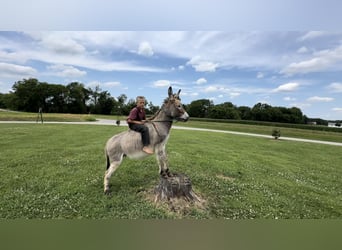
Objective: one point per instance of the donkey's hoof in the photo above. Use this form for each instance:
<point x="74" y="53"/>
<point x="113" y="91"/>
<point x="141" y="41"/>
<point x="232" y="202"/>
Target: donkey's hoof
<point x="107" y="192"/>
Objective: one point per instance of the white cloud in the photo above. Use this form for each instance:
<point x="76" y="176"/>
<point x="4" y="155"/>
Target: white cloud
<point x="181" y="67"/>
<point x="61" y="43"/>
<point x="322" y="60"/>
<point x="287" y="98"/>
<point x="287" y="87"/>
<point x="202" y="66"/>
<point x="201" y="81"/>
<point x="312" y="35"/>
<point x="260" y="75"/>
<point x="206" y="67"/>
<point x="303" y="50"/>
<point x="145" y="49"/>
<point x="234" y="94"/>
<point x="212" y="88"/>
<point x="13" y="57"/>
<point x="223" y="90"/>
<point x="320" y="99"/>
<point x="13" y="70"/>
<point x="300" y="105"/>
<point x="192" y="94"/>
<point x="94" y="84"/>
<point x="80" y="49"/>
<point x="337" y="109"/>
<point x="312" y="65"/>
<point x="112" y="84"/>
<point x="162" y="83"/>
<point x="66" y="71"/>
<point x="335" y="87"/>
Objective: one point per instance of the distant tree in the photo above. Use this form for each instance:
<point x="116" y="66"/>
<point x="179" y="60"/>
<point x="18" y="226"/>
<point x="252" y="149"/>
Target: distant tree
<point x="224" y="111"/>
<point x="26" y="95"/>
<point x="245" y="112"/>
<point x="217" y="112"/>
<point x="2" y="101"/>
<point x="127" y="108"/>
<point x="122" y="99"/>
<point x="305" y="119"/>
<point x="119" y="104"/>
<point x="55" y="98"/>
<point x="106" y="103"/>
<point x="200" y="108"/>
<point x="296" y="115"/>
<point x="275" y="114"/>
<point x="261" y="112"/>
<point x="151" y="108"/>
<point x="52" y="97"/>
<point x="94" y="94"/>
<point x="30" y="95"/>
<point x="77" y="98"/>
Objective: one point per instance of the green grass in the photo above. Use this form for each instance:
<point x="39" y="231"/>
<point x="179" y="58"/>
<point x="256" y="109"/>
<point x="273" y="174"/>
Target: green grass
<point x="26" y="116"/>
<point x="258" y="129"/>
<point x="56" y="171"/>
<point x="267" y="130"/>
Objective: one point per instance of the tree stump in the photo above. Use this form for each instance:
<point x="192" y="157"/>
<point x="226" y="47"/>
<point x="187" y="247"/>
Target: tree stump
<point x="177" y="192"/>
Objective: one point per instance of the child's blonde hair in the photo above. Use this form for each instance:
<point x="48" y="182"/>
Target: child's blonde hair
<point x="139" y="98"/>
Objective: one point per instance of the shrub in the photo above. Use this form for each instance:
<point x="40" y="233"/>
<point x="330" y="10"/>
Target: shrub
<point x="90" y="119"/>
<point x="276" y="133"/>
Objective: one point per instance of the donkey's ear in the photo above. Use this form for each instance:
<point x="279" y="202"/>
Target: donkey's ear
<point x="178" y="92"/>
<point x="170" y="92"/>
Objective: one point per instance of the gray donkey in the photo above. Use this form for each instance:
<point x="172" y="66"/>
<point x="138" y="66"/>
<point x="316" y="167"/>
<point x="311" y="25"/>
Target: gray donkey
<point x="129" y="143"/>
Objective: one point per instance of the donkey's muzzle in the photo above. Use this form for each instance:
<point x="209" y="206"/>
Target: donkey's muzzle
<point x="184" y="117"/>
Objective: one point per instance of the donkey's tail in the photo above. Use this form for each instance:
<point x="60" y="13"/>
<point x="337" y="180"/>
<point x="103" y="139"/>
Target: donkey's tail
<point x="107" y="158"/>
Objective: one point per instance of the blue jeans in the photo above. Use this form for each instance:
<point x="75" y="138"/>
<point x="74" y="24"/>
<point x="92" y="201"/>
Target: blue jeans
<point x="145" y="135"/>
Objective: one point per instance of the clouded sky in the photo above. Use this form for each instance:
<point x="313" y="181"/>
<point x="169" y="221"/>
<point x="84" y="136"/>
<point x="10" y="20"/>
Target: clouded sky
<point x="279" y="67"/>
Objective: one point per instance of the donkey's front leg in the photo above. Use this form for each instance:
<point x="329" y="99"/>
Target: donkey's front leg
<point x="162" y="162"/>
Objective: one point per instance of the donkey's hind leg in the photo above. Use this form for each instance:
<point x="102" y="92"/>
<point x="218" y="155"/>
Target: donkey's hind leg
<point x="110" y="170"/>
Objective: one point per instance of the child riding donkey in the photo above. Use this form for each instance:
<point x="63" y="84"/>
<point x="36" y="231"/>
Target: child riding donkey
<point x="136" y="121"/>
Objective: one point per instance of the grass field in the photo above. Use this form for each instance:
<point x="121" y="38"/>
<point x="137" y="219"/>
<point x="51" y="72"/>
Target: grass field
<point x="26" y="116"/>
<point x="267" y="130"/>
<point x="56" y="171"/>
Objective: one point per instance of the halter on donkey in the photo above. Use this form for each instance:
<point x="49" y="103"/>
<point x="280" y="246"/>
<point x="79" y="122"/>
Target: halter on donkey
<point x="129" y="143"/>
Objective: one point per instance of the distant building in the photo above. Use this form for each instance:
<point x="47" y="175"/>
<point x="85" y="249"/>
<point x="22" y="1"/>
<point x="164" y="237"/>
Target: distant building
<point x="334" y="125"/>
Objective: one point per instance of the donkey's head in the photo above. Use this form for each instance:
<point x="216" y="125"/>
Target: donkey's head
<point x="174" y="108"/>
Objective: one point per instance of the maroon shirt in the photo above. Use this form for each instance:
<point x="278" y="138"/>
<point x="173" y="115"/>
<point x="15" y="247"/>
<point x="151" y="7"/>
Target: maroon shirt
<point x="137" y="114"/>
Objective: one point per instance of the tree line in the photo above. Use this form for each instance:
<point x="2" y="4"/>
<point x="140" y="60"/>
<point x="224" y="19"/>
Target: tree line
<point x="205" y="108"/>
<point x="30" y="94"/>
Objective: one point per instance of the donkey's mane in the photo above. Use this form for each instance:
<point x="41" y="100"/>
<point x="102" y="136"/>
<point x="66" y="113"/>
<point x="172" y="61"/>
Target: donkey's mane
<point x="154" y="116"/>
